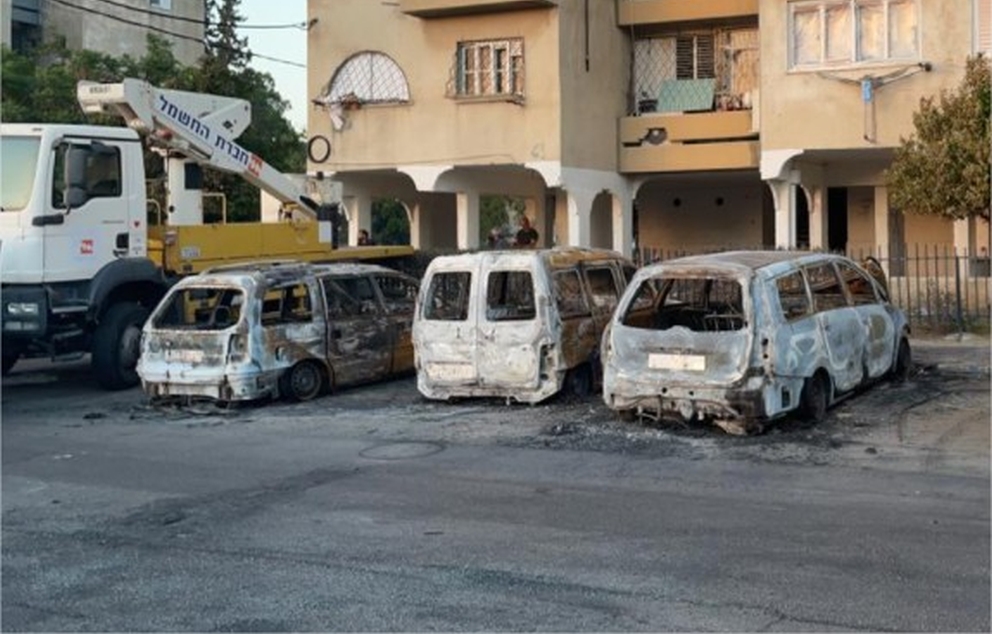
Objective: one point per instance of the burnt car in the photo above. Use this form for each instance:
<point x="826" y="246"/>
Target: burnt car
<point x="744" y="337"/>
<point x="516" y="324"/>
<point x="279" y="329"/>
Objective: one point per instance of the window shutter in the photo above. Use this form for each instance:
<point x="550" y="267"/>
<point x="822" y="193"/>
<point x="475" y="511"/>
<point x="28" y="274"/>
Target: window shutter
<point x="983" y="28"/>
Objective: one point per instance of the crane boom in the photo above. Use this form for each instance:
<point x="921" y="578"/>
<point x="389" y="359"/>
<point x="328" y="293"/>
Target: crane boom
<point x="197" y="126"/>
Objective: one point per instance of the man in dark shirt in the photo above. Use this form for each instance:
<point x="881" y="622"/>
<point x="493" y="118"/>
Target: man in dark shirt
<point x="527" y="236"/>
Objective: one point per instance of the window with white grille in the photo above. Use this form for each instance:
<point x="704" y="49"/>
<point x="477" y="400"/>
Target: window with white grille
<point x="983" y="26"/>
<point x="165" y="5"/>
<point x="367" y="77"/>
<point x="831" y="33"/>
<point x="489" y="68"/>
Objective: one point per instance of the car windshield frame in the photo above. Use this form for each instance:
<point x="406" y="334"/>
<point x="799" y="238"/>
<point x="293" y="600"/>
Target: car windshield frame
<point x="19" y="157"/>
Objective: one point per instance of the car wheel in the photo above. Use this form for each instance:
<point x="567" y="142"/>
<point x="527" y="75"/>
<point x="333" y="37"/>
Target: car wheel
<point x="903" y="364"/>
<point x="814" y="401"/>
<point x="302" y="382"/>
<point x="117" y="345"/>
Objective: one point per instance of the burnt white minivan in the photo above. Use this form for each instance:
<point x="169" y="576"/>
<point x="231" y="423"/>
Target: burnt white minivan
<point x="744" y="337"/>
<point x="278" y="329"/>
<point x="518" y="324"/>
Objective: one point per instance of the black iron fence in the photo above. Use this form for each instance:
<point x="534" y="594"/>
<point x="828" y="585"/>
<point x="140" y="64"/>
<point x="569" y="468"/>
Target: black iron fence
<point x="941" y="289"/>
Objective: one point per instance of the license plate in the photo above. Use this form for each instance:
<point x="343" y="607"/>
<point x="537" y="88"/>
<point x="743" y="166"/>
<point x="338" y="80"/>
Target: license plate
<point x="682" y="362"/>
<point x="184" y="356"/>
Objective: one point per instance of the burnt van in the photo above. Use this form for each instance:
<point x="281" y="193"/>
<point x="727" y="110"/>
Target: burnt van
<point x="519" y="324"/>
<point x="278" y="329"/>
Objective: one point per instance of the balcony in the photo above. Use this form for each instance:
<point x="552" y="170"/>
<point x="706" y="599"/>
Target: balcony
<point x="684" y="142"/>
<point x="653" y="12"/>
<point x="448" y="8"/>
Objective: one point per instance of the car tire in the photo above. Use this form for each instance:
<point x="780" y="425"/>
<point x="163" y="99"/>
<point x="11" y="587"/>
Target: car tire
<point x="302" y="382"/>
<point x="117" y="345"/>
<point x="815" y="398"/>
<point x="903" y="364"/>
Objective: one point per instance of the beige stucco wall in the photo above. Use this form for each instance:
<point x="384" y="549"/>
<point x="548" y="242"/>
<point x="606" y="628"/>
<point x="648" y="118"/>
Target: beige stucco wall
<point x="802" y="109"/>
<point x="86" y="29"/>
<point x="699" y="222"/>
<point x="593" y="100"/>
<point x="432" y="128"/>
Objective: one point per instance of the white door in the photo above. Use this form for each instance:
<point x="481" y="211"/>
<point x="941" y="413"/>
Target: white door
<point x="444" y="332"/>
<point x="509" y="330"/>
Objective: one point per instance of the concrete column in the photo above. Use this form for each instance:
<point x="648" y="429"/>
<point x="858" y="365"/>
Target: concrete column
<point x="358" y="211"/>
<point x="882" y="232"/>
<point x="623" y="223"/>
<point x="467" y="209"/>
<point x="784" y="195"/>
<point x="533" y="210"/>
<point x="579" y="217"/>
<point x="962" y="236"/>
<point x="818" y="236"/>
<point x="415" y="215"/>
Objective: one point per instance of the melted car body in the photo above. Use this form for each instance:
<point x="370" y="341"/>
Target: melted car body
<point x="519" y="324"/>
<point x="260" y="330"/>
<point x="744" y="337"/>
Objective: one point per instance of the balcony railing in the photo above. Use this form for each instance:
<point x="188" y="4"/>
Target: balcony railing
<point x="450" y="8"/>
<point x="648" y="12"/>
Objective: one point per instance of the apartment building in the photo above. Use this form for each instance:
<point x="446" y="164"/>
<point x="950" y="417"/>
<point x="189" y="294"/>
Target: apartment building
<point x="674" y="124"/>
<point x="116" y="28"/>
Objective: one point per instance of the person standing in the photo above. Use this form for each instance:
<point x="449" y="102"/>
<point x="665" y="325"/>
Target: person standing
<point x="527" y="236"/>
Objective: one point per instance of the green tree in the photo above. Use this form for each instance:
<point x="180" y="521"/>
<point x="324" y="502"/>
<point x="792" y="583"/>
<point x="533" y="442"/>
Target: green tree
<point x="390" y="224"/>
<point x="943" y="169"/>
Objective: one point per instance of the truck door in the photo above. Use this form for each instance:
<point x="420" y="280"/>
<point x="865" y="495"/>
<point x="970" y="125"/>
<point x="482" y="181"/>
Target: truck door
<point x="509" y="333"/>
<point x="89" y="223"/>
<point x="359" y="341"/>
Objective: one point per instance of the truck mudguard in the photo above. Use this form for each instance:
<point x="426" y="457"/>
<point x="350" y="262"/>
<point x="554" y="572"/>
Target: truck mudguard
<point x="126" y="271"/>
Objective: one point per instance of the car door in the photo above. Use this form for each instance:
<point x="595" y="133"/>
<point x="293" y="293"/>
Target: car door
<point x="399" y="297"/>
<point x="359" y="342"/>
<point x="445" y="328"/>
<point x="839" y="324"/>
<point x="875" y="318"/>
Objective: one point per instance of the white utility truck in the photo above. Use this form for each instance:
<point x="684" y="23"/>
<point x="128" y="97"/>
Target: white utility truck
<point x="82" y="259"/>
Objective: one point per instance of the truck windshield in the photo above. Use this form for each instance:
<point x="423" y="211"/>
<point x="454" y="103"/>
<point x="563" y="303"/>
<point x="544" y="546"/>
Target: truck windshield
<point x="19" y="158"/>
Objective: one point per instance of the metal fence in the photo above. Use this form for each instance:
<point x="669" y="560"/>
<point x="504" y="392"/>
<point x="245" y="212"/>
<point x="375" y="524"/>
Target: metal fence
<point x="940" y="288"/>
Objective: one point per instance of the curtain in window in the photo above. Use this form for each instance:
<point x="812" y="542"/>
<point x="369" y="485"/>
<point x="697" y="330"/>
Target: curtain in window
<point x="839" y="35"/>
<point x="806" y="34"/>
<point x="902" y="29"/>
<point x="871" y="31"/>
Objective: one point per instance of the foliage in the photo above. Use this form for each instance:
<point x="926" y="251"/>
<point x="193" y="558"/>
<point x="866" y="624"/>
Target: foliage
<point x="41" y="86"/>
<point x="943" y="169"/>
<point x="390" y="224"/>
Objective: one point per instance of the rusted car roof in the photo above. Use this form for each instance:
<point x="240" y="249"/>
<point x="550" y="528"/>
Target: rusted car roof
<point x="742" y="261"/>
<point x="275" y="271"/>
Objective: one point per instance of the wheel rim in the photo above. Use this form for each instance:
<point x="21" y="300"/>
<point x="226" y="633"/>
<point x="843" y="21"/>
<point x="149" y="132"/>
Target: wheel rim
<point x="305" y="381"/>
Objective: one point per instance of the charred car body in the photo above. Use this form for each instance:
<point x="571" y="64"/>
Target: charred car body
<point x="743" y="337"/>
<point x="294" y="330"/>
<point x="520" y="325"/>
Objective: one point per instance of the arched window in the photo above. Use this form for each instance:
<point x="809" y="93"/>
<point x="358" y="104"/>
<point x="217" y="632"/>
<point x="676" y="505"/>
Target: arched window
<point x="367" y="77"/>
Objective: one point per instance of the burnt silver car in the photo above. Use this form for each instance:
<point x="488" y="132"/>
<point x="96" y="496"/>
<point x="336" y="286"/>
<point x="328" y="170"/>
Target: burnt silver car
<point x="744" y="337"/>
<point x="294" y="330"/>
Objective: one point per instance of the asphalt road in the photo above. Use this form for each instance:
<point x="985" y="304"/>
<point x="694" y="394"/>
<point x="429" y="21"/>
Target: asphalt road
<point x="374" y="510"/>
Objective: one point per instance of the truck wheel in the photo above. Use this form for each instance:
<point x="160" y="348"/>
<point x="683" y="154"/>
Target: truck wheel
<point x="117" y="344"/>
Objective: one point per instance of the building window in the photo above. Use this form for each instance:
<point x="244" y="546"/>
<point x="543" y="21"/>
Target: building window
<point x="983" y="27"/>
<point x="164" y="5"/>
<point x="490" y="68"/>
<point x="367" y="77"/>
<point x="831" y="33"/>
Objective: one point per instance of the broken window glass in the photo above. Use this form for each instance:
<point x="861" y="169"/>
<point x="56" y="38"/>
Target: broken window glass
<point x="510" y="296"/>
<point x="698" y="304"/>
<point x="201" y="308"/>
<point x="792" y="297"/>
<point x="569" y="298"/>
<point x="447" y="296"/>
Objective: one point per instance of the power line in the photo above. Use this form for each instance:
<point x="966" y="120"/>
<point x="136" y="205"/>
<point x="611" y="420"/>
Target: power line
<point x="158" y="29"/>
<point x="204" y="21"/>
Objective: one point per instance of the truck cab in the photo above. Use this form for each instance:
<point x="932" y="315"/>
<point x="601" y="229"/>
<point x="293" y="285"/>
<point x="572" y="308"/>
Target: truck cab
<point x="73" y="245"/>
